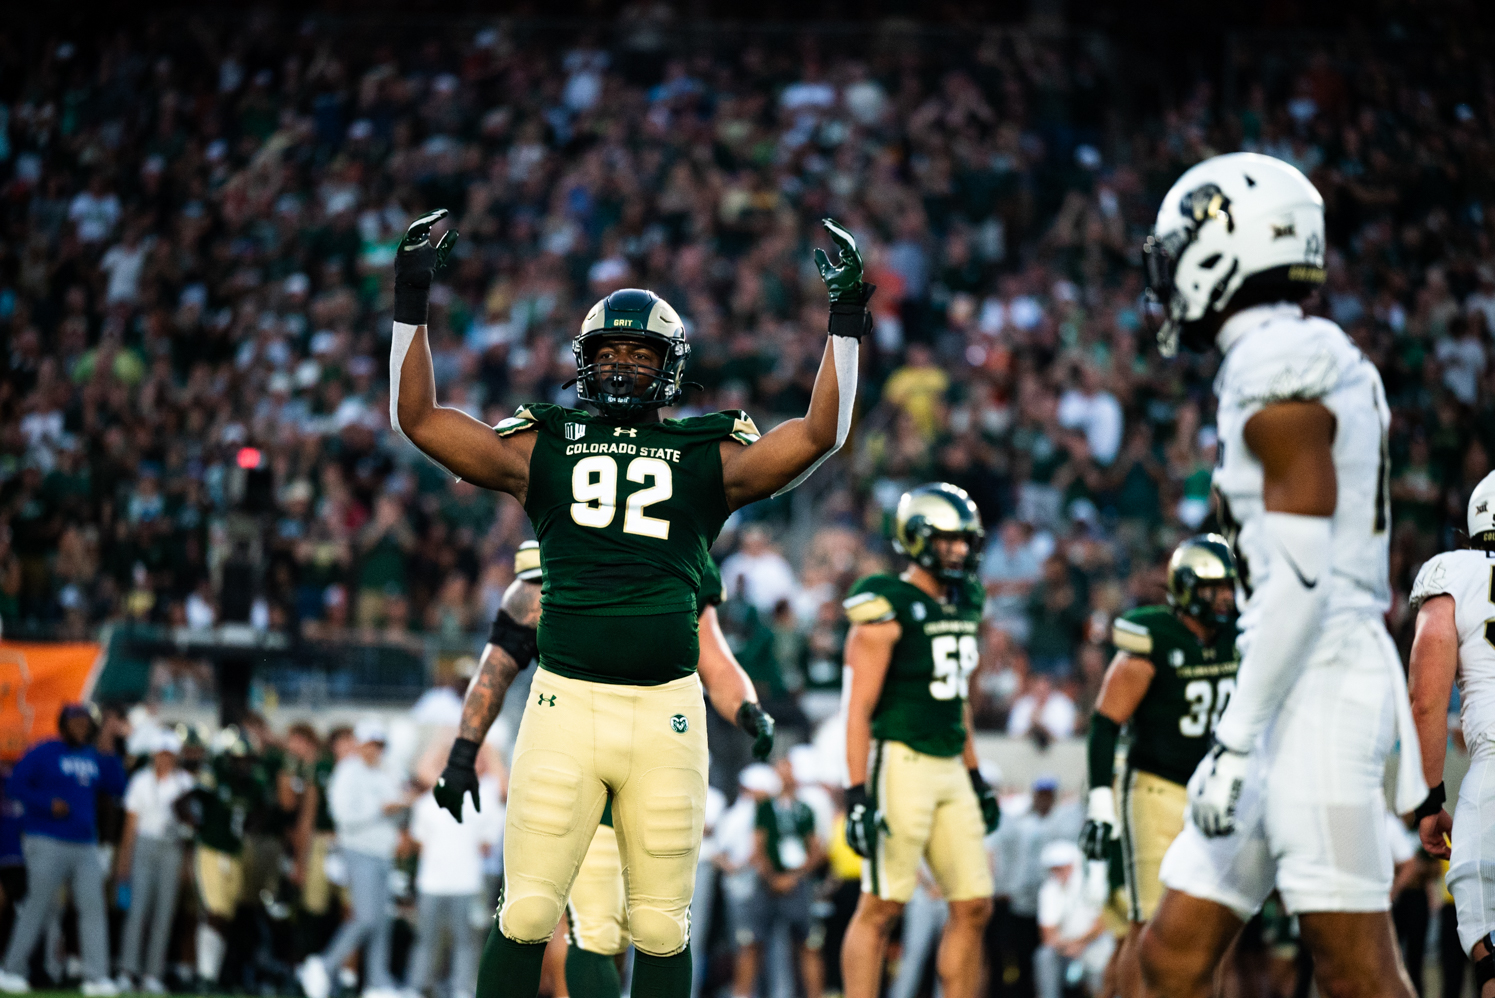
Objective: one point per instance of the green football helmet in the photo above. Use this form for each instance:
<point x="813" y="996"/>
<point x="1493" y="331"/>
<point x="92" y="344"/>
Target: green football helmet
<point x="1199" y="561"/>
<point x="938" y="509"/>
<point x="637" y="315"/>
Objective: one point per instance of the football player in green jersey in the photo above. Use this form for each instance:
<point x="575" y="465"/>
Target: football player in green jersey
<point x="916" y="793"/>
<point x="1172" y="676"/>
<point x="596" y="911"/>
<point x="617" y="711"/>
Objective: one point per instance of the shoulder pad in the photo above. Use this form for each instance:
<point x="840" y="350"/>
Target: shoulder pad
<point x="868" y="604"/>
<point x="744" y="430"/>
<point x="523" y="419"/>
<point x="1131" y="636"/>
<point x="1295" y="365"/>
<point x="1433" y="579"/>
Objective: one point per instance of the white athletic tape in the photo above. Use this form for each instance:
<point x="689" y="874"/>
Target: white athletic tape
<point x="845" y="352"/>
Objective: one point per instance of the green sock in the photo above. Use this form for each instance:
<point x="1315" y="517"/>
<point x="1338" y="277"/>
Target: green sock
<point x="661" y="976"/>
<point x="509" y="969"/>
<point x="591" y="975"/>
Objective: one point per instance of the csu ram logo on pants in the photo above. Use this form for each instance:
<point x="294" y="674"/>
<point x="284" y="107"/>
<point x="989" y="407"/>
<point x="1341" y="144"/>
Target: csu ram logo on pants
<point x="680" y="724"/>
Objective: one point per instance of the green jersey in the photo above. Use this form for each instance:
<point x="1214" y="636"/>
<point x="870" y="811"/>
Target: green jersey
<point x="624" y="516"/>
<point x="710" y="593"/>
<point x="922" y="703"/>
<point x="321" y="776"/>
<point x="224" y="799"/>
<point x="1191" y="684"/>
<point x="786" y="826"/>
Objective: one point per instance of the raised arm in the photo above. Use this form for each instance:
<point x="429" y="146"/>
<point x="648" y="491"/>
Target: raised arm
<point x="791" y="451"/>
<point x="1430" y="676"/>
<point x="1294" y="441"/>
<point x="466" y="447"/>
<point x="729" y="688"/>
<point x="510" y="647"/>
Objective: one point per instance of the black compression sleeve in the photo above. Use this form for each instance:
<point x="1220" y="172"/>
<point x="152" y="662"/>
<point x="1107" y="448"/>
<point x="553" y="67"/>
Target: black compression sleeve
<point x="1104" y="733"/>
<point x="513" y="637"/>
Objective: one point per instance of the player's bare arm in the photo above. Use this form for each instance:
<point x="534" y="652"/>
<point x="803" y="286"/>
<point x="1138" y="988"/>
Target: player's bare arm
<point x="509" y="649"/>
<point x="782" y="457"/>
<point x="869" y="652"/>
<point x="464" y="446"/>
<point x="1124" y="685"/>
<point x="1294" y="441"/>
<point x="497" y="668"/>
<point x="728" y="687"/>
<point x="1430" y="677"/>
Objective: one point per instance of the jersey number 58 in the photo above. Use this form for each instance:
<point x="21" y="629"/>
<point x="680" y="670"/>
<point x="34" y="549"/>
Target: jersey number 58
<point x="955" y="658"/>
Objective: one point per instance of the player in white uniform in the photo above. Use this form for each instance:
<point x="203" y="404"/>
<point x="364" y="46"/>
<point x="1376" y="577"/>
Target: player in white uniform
<point x="1289" y="797"/>
<point x="1454" y="597"/>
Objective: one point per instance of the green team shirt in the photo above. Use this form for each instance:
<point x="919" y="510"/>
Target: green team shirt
<point x="786" y="826"/>
<point x="922" y="703"/>
<point x="321" y="776"/>
<point x="225" y="798"/>
<point x="1191" y="684"/>
<point x="624" y="516"/>
<point x="710" y="593"/>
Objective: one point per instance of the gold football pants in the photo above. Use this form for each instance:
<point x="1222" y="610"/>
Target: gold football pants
<point x="577" y="742"/>
<point x="1152" y="815"/>
<point x="932" y="813"/>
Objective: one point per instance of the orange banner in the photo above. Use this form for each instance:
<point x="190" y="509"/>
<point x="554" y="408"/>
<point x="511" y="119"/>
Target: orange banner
<point x="35" y="681"/>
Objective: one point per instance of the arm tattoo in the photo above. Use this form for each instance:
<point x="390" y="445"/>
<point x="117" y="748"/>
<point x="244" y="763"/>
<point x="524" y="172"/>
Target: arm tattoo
<point x="522" y="602"/>
<point x="485" y="698"/>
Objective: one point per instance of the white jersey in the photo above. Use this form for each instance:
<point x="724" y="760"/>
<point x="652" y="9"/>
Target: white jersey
<point x="1469" y="577"/>
<point x="1273" y="353"/>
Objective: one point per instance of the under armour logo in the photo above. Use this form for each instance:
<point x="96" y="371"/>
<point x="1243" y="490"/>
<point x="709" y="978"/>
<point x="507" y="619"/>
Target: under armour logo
<point x="618" y="431"/>
<point x="545" y="701"/>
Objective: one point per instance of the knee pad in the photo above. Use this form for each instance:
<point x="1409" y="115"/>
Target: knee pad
<point x="657" y="932"/>
<point x="529" y="919"/>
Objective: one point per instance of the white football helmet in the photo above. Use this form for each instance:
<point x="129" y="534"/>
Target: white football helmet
<point x="1227" y="220"/>
<point x="1481" y="516"/>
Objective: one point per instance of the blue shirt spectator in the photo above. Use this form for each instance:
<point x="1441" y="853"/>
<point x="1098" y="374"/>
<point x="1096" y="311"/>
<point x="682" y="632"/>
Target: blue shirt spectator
<point x="58" y="784"/>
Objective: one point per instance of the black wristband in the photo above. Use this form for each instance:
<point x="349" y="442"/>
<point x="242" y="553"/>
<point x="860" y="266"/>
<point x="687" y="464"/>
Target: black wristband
<point x="977" y="780"/>
<point x="749" y="717"/>
<point x="412" y="304"/>
<point x="513" y="637"/>
<point x="464" y="754"/>
<point x="1432" y="804"/>
<point x="849" y="316"/>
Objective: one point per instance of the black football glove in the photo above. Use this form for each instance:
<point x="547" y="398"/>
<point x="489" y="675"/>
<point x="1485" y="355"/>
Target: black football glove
<point x="416" y="263"/>
<point x="991" y="808"/>
<point x="459" y="778"/>
<point x="849" y="294"/>
<point x="863" y="822"/>
<point x="759" y="725"/>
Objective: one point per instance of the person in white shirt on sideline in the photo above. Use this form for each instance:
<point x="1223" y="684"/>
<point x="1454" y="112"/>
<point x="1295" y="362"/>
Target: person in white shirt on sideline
<point x="365" y="800"/>
<point x="758" y="573"/>
<point x="449" y="883"/>
<point x="1075" y="945"/>
<point x="150" y="861"/>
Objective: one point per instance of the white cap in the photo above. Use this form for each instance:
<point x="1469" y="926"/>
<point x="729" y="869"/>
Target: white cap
<point x="804" y="762"/>
<point x="1482" y="510"/>
<point x="761" y="778"/>
<point x="167" y="740"/>
<point x="370" y="729"/>
<point x="1060" y="853"/>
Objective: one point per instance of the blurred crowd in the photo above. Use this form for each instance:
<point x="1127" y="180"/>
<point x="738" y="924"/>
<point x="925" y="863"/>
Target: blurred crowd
<point x="197" y="219"/>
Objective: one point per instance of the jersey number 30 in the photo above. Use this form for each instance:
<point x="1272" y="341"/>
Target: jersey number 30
<point x="594" y="487"/>
<point x="955" y="658"/>
<point x="1207" y="702"/>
